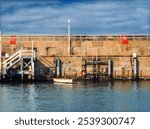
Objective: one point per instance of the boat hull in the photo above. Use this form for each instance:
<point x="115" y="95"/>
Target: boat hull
<point x="61" y="80"/>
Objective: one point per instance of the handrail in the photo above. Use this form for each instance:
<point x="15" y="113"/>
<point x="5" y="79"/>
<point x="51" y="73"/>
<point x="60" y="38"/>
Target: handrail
<point x="13" y="64"/>
<point x="11" y="57"/>
<point x="17" y="55"/>
<point x="10" y="60"/>
<point x="47" y="62"/>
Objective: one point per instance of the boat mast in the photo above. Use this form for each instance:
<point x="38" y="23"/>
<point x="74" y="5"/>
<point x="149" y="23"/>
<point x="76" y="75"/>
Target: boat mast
<point x="69" y="43"/>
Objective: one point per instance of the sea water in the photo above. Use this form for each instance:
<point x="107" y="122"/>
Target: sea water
<point x="116" y="96"/>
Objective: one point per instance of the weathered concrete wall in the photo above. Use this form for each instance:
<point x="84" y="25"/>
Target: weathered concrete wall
<point x="111" y="47"/>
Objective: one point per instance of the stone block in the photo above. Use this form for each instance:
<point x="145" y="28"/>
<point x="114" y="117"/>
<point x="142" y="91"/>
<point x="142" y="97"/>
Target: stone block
<point x="76" y="44"/>
<point x="97" y="44"/>
<point x="86" y="44"/>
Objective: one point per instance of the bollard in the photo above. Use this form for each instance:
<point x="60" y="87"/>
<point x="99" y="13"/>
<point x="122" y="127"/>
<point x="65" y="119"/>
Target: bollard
<point x="110" y="69"/>
<point x="136" y="67"/>
<point x="58" y="68"/>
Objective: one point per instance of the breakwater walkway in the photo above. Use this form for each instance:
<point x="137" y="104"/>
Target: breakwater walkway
<point x="77" y="56"/>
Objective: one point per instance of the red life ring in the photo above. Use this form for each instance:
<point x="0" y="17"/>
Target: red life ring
<point x="13" y="39"/>
<point x="124" y="39"/>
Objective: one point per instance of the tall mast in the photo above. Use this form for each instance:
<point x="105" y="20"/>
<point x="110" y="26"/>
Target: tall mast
<point x="69" y="43"/>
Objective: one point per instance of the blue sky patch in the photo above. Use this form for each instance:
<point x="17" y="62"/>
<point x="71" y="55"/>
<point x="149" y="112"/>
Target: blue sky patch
<point x="87" y="16"/>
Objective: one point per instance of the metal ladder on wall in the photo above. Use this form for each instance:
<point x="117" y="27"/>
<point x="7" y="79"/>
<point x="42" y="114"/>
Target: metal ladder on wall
<point x="16" y="58"/>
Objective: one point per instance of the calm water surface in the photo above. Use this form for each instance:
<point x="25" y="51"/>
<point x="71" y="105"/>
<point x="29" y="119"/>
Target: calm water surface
<point x="108" y="96"/>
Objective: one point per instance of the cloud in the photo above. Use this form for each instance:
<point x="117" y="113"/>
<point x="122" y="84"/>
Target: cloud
<point x="97" y="17"/>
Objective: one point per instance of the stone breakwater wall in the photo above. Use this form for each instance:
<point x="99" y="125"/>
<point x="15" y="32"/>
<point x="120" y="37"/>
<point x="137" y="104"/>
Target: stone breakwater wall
<point x="49" y="48"/>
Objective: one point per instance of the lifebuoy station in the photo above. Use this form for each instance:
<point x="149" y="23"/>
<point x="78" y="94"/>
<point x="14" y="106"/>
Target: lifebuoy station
<point x="78" y="57"/>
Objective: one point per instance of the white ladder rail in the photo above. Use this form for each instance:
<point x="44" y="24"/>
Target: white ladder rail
<point x="11" y="57"/>
<point x="11" y="61"/>
<point x="13" y="64"/>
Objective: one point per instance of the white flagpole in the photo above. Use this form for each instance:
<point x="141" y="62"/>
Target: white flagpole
<point x="69" y="44"/>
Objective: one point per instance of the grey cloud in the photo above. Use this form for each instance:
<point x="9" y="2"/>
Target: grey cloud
<point x="86" y="17"/>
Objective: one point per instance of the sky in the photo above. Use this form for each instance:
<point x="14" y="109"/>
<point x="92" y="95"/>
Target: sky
<point x="86" y="16"/>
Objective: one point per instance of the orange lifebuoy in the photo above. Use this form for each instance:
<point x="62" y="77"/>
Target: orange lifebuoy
<point x="13" y="39"/>
<point x="124" y="39"/>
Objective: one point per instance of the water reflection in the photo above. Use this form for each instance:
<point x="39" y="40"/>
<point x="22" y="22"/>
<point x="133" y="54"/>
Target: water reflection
<point x="104" y="96"/>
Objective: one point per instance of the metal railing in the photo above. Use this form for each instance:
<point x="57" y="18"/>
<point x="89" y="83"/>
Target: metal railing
<point x="15" y="58"/>
<point x="79" y="37"/>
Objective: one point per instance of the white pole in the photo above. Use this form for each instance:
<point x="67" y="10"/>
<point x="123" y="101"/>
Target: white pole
<point x="32" y="61"/>
<point x="69" y="44"/>
<point x="32" y="49"/>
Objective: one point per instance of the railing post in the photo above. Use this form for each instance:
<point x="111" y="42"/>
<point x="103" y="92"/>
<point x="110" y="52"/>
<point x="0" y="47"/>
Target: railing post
<point x="21" y="68"/>
<point x="20" y="54"/>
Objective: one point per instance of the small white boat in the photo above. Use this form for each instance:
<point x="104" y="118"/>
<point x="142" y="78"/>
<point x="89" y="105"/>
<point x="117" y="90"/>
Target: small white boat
<point x="63" y="80"/>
